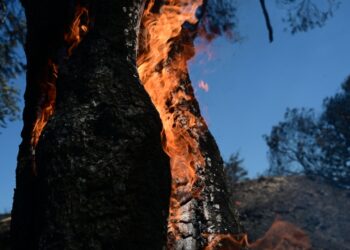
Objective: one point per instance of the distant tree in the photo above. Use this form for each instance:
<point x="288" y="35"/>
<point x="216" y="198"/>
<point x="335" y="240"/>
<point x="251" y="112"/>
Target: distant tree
<point x="293" y="144"/>
<point x="303" y="15"/>
<point x="234" y="170"/>
<point x="305" y="143"/>
<point x="335" y="122"/>
<point x="12" y="32"/>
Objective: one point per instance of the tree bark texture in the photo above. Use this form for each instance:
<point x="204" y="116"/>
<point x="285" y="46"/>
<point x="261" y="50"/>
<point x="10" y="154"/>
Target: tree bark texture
<point x="45" y="29"/>
<point x="200" y="213"/>
<point x="103" y="180"/>
<point x="211" y="214"/>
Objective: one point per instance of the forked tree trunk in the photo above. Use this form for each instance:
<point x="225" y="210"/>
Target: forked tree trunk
<point x="101" y="179"/>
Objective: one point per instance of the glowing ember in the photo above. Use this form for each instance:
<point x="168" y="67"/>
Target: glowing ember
<point x="203" y="85"/>
<point x="46" y="104"/>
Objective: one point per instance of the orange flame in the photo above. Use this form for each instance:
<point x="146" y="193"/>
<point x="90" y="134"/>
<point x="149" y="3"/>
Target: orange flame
<point x="162" y="73"/>
<point x="46" y="105"/>
<point x="78" y="29"/>
<point x="283" y="235"/>
<point x="227" y="242"/>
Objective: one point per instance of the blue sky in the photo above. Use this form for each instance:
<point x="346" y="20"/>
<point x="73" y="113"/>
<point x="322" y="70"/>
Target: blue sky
<point x="250" y="85"/>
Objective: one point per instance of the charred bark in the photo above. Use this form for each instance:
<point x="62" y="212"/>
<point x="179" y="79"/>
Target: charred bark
<point x="209" y="216"/>
<point x="45" y="30"/>
<point x="103" y="180"/>
<point x="201" y="216"/>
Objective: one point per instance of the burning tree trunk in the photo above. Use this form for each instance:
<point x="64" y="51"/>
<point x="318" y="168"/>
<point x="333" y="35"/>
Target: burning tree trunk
<point x="201" y="215"/>
<point x="100" y="179"/>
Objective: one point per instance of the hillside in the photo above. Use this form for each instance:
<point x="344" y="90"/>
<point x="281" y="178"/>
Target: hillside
<point x="320" y="210"/>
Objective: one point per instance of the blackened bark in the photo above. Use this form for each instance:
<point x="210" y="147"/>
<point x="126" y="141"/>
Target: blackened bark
<point x="103" y="180"/>
<point x="45" y="29"/>
<point x="211" y="215"/>
<point x="200" y="213"/>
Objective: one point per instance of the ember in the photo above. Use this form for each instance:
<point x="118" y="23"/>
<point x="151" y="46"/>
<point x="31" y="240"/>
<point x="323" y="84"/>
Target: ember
<point x="203" y="85"/>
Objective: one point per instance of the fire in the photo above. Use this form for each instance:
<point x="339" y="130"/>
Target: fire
<point x="78" y="29"/>
<point x="47" y="102"/>
<point x="227" y="242"/>
<point x="163" y="72"/>
<point x="283" y="235"/>
<point x="46" y="105"/>
<point x="166" y="46"/>
<point x="203" y="85"/>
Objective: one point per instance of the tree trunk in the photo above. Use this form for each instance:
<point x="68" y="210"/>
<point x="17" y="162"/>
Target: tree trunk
<point x="98" y="177"/>
<point x="103" y="180"/>
<point x="201" y="216"/>
<point x="45" y="29"/>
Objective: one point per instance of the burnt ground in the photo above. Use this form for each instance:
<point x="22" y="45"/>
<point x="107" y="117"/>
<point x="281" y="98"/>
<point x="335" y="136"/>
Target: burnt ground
<point x="322" y="211"/>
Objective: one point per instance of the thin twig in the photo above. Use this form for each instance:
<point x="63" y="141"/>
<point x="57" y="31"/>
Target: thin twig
<point x="3" y="9"/>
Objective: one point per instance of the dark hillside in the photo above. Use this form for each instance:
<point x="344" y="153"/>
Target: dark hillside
<point x="319" y="209"/>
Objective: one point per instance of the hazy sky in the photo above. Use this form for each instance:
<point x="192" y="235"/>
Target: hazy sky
<point x="250" y="85"/>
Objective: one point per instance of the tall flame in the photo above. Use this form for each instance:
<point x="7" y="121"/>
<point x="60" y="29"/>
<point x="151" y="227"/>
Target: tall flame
<point x="46" y="104"/>
<point x="164" y="73"/>
<point x="166" y="45"/>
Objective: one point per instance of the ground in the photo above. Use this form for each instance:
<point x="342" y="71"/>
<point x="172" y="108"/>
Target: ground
<point x="319" y="209"/>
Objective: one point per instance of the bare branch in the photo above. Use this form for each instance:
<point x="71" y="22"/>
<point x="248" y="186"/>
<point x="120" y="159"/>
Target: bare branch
<point x="267" y="20"/>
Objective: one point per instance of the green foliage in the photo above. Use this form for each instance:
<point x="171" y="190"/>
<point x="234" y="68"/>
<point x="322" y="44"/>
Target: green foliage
<point x="12" y="32"/>
<point x="314" y="145"/>
<point x="234" y="170"/>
